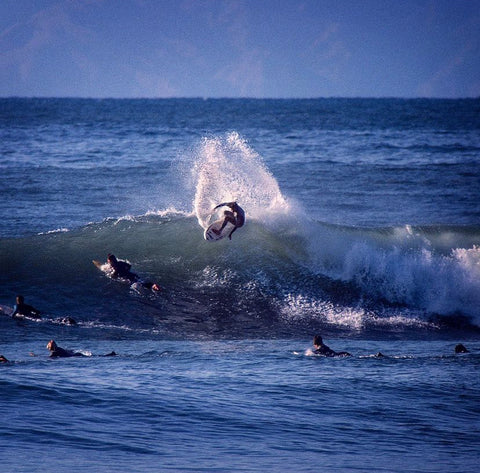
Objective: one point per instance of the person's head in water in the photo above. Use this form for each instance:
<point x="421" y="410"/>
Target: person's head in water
<point x="461" y="348"/>
<point x="51" y="345"/>
<point x="152" y="285"/>
<point x="20" y="299"/>
<point x="111" y="258"/>
<point x="317" y="341"/>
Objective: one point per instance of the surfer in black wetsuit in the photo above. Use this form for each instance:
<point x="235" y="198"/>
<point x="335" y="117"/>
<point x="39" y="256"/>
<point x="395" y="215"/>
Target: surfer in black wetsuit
<point x="460" y="348"/>
<point x="59" y="352"/>
<point x="236" y="217"/>
<point x="121" y="269"/>
<point x="24" y="310"/>
<point x="324" y="350"/>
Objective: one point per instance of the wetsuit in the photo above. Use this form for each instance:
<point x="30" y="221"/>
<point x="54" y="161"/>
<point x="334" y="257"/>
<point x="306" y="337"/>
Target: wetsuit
<point x="236" y="217"/>
<point x="25" y="310"/>
<point x="327" y="351"/>
<point x="461" y="348"/>
<point x="59" y="352"/>
<point x="121" y="269"/>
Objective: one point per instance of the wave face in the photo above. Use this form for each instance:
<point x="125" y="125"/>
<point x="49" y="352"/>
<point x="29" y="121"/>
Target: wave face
<point x="283" y="272"/>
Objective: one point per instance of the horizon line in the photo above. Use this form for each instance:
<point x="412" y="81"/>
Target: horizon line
<point x="336" y="97"/>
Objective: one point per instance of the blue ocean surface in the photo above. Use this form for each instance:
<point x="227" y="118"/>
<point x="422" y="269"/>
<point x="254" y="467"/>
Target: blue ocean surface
<point x="363" y="225"/>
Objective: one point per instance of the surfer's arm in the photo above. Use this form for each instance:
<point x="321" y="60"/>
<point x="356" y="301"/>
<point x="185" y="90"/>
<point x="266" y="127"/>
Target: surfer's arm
<point x="223" y="204"/>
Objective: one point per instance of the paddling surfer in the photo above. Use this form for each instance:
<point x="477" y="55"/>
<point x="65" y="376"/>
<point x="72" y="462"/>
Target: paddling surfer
<point x="235" y="216"/>
<point x="59" y="352"/>
<point x="121" y="269"/>
<point x="324" y="350"/>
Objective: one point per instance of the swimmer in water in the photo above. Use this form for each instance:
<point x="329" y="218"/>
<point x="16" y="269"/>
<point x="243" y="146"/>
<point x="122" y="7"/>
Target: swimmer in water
<point x="24" y="310"/>
<point x="461" y="349"/>
<point x="324" y="350"/>
<point x="59" y="352"/>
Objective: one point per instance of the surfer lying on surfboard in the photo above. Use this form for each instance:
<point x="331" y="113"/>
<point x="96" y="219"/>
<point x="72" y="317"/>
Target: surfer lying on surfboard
<point x="59" y="352"/>
<point x="121" y="269"/>
<point x="324" y="350"/>
<point x="236" y="217"/>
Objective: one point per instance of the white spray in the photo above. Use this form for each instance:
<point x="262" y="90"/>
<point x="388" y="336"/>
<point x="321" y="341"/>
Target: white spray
<point x="227" y="170"/>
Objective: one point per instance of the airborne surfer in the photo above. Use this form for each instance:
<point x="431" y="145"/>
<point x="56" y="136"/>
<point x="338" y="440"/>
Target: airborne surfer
<point x="235" y="216"/>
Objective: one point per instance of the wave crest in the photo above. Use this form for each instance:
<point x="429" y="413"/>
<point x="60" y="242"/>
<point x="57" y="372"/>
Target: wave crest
<point x="228" y="170"/>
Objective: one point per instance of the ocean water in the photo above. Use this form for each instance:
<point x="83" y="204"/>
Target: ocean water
<point x="363" y="225"/>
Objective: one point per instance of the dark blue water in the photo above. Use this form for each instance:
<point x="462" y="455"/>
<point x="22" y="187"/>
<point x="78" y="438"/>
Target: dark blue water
<point x="362" y="225"/>
<point x="242" y="406"/>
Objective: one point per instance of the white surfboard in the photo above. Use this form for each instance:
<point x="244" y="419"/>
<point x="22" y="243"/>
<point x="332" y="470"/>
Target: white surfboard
<point x="5" y="310"/>
<point x="210" y="235"/>
<point x="103" y="267"/>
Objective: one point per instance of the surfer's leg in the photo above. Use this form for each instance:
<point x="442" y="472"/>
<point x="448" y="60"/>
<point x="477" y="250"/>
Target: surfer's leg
<point x="229" y="217"/>
<point x="231" y="233"/>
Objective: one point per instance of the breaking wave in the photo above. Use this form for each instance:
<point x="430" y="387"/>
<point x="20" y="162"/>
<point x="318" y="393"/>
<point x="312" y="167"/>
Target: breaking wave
<point x="283" y="272"/>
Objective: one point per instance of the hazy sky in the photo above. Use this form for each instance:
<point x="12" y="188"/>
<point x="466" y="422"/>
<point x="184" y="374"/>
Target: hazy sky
<point x="240" y="48"/>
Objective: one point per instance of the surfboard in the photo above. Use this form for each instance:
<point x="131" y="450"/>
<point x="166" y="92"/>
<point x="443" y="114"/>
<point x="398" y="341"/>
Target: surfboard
<point x="104" y="267"/>
<point x="210" y="235"/>
<point x="5" y="310"/>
